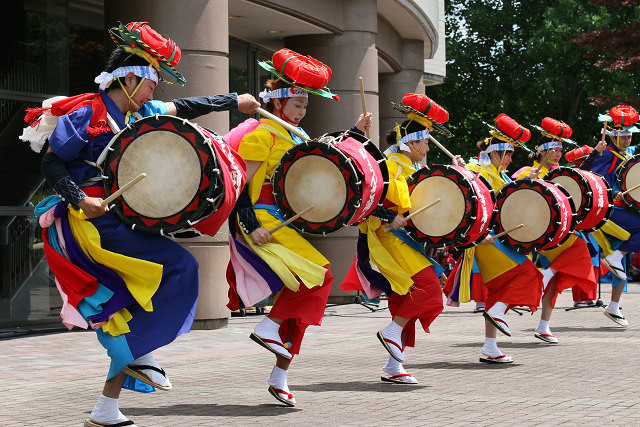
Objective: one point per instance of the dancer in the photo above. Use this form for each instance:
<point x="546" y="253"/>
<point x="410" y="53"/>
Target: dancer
<point x="510" y="277"/>
<point x="138" y="291"/>
<point x="295" y="273"/>
<point x="411" y="280"/>
<point x="569" y="265"/>
<point x="606" y="160"/>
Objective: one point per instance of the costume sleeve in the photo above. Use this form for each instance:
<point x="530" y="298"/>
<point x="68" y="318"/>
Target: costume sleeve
<point x="246" y="215"/>
<point x="256" y="145"/>
<point x="384" y="214"/>
<point x="70" y="134"/>
<point x="190" y="108"/>
<point x="398" y="192"/>
<point x="602" y="165"/>
<point x="57" y="175"/>
<point x="354" y="129"/>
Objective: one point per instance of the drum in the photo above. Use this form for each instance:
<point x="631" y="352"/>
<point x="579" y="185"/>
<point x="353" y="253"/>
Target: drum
<point x="342" y="174"/>
<point x="464" y="215"/>
<point x="192" y="176"/>
<point x="545" y="210"/>
<point x="591" y="195"/>
<point x="629" y="177"/>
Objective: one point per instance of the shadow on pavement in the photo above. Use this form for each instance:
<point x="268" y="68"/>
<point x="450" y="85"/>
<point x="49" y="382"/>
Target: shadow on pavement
<point x="360" y="386"/>
<point x="616" y="329"/>
<point x="212" y="410"/>
<point x="505" y="344"/>
<point x="460" y="365"/>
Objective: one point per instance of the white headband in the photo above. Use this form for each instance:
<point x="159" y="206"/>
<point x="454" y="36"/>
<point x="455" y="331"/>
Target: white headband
<point x="548" y="145"/>
<point x="615" y="132"/>
<point x="415" y="136"/>
<point x="146" y="72"/>
<point x="285" y="92"/>
<point x="484" y="155"/>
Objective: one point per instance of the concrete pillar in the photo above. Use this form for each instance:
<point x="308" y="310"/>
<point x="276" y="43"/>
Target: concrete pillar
<point x="350" y="55"/>
<point x="393" y="86"/>
<point x="200" y="28"/>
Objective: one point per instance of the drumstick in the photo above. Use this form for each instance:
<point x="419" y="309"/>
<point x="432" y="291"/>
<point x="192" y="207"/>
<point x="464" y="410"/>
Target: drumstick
<point x="440" y="146"/>
<point x="290" y="220"/>
<point x="364" y="102"/>
<point x="508" y="231"/>
<point x="435" y="202"/>
<point x="604" y="135"/>
<point x="630" y="190"/>
<point x="122" y="189"/>
<point x="282" y="123"/>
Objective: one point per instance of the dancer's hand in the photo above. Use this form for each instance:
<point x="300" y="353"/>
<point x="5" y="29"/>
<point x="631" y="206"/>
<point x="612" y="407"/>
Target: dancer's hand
<point x="364" y="122"/>
<point x="458" y="161"/>
<point x="260" y="236"/>
<point x="247" y="104"/>
<point x="92" y="207"/>
<point x="398" y="222"/>
<point x="488" y="240"/>
<point x="601" y="146"/>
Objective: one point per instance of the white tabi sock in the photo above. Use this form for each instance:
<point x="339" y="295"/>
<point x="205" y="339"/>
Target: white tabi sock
<point x="156" y="377"/>
<point x="278" y="379"/>
<point x="267" y="328"/>
<point x="393" y="331"/>
<point x="613" y="308"/>
<point x="490" y="347"/>
<point x="393" y="367"/>
<point x="106" y="411"/>
<point x="499" y="307"/>
<point x="543" y="327"/>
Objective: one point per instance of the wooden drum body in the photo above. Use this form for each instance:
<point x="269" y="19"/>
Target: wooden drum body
<point x="464" y="215"/>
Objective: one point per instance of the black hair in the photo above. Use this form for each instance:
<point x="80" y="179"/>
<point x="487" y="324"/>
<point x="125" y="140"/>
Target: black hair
<point x="120" y="58"/>
<point x="407" y="127"/>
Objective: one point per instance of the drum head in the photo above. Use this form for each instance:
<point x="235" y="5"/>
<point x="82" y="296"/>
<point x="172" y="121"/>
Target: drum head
<point x="169" y="164"/>
<point x="629" y="178"/>
<point x="526" y="207"/>
<point x="444" y="217"/>
<point x="571" y="186"/>
<point x="319" y="174"/>
<point x="315" y="180"/>
<point x="182" y="174"/>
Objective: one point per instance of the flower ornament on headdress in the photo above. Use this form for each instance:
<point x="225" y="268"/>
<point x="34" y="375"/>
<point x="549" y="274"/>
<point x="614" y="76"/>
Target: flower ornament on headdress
<point x="621" y="121"/>
<point x="301" y="72"/>
<point x="557" y="131"/>
<point x="161" y="53"/>
<point x="509" y="133"/>
<point x="425" y="111"/>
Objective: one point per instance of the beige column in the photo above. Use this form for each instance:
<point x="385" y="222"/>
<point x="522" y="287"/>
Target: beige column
<point x="393" y="86"/>
<point x="200" y="28"/>
<point x="350" y="55"/>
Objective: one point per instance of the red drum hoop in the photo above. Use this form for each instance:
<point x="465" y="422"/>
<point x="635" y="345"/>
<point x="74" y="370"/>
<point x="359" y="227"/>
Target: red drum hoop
<point x="590" y="193"/>
<point x="185" y="180"/>
<point x="543" y="207"/>
<point x="342" y="174"/>
<point x="464" y="215"/>
<point x="629" y="177"/>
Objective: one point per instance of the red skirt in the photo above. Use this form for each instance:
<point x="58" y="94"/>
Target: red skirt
<point x="520" y="286"/>
<point x="423" y="302"/>
<point x="574" y="269"/>
<point x="301" y="309"/>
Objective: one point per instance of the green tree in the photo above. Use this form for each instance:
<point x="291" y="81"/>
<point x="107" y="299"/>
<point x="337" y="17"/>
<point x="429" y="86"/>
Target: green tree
<point x="518" y="58"/>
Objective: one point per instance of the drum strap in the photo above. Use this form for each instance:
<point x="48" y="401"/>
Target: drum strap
<point x="622" y="156"/>
<point x="277" y="133"/>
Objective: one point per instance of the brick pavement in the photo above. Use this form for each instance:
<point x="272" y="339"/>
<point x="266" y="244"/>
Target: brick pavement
<point x="591" y="378"/>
